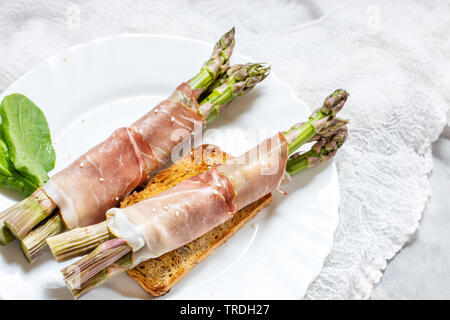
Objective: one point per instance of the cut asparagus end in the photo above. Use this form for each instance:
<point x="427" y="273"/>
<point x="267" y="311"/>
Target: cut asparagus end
<point x="242" y="80"/>
<point x="5" y="235"/>
<point x="325" y="148"/>
<point x="216" y="65"/>
<point x="78" y="273"/>
<point x="117" y="267"/>
<point x="29" y="213"/>
<point x="320" y="122"/>
<point x="34" y="244"/>
<point x="78" y="241"/>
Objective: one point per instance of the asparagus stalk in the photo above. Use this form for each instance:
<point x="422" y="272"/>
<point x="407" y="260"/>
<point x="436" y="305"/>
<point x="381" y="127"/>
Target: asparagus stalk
<point x="23" y="217"/>
<point x="116" y="267"/>
<point x="326" y="131"/>
<point x="217" y="64"/>
<point x="221" y="79"/>
<point x="240" y="80"/>
<point x="325" y="148"/>
<point x="103" y="256"/>
<point x="320" y="121"/>
<point x="93" y="269"/>
<point x="32" y="245"/>
<point x="80" y="241"/>
<point x="5" y="235"/>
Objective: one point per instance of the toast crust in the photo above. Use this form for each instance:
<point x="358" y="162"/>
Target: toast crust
<point x="157" y="276"/>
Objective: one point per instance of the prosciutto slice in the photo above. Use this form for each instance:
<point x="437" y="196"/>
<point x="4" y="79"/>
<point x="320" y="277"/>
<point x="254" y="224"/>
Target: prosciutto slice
<point x="164" y="126"/>
<point x="258" y="171"/>
<point x="175" y="217"/>
<point x="101" y="178"/>
<point x="107" y="173"/>
<point x="195" y="206"/>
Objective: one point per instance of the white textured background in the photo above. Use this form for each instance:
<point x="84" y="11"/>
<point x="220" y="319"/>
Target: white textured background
<point x="392" y="56"/>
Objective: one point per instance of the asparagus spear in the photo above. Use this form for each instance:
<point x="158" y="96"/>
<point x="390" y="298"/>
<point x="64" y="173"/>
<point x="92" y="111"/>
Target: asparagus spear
<point x="105" y="254"/>
<point x="23" y="217"/>
<point x="221" y="79"/>
<point x="325" y="148"/>
<point x="240" y="80"/>
<point x="322" y="119"/>
<point x="217" y="64"/>
<point x="32" y="245"/>
<point x="5" y="235"/>
<point x="86" y="277"/>
<point x="80" y="241"/>
<point x="116" y="267"/>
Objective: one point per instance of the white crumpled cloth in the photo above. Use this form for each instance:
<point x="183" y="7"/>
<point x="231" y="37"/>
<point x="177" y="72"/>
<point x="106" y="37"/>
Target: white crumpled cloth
<point x="392" y="56"/>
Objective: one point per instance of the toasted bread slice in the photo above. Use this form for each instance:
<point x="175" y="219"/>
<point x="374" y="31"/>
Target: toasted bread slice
<point x="157" y="276"/>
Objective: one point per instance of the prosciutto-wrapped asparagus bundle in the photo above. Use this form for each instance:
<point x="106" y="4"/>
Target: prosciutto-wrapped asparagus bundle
<point x="107" y="173"/>
<point x="238" y="80"/>
<point x="190" y="209"/>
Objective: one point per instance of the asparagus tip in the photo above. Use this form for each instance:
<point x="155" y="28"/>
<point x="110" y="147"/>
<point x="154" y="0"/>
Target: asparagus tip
<point x="335" y="101"/>
<point x="229" y="37"/>
<point x="217" y="64"/>
<point x="225" y="44"/>
<point x="260" y="69"/>
<point x="257" y="72"/>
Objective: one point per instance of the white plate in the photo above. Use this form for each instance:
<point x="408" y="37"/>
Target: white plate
<point x="94" y="88"/>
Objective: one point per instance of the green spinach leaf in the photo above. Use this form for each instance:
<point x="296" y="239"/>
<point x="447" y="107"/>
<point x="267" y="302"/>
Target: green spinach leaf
<point x="9" y="177"/>
<point x="26" y="152"/>
<point x="4" y="160"/>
